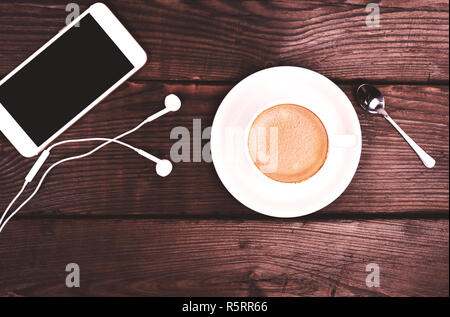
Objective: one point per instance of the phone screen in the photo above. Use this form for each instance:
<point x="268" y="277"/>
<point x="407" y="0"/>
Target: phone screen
<point x="63" y="80"/>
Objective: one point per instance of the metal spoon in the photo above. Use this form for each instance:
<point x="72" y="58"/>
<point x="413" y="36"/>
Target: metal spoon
<point x="372" y="100"/>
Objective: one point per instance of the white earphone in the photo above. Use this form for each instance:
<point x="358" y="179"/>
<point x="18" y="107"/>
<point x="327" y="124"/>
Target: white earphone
<point x="163" y="167"/>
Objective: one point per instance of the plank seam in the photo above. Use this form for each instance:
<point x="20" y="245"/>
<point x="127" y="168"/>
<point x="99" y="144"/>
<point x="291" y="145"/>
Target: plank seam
<point x="429" y="215"/>
<point x="355" y="82"/>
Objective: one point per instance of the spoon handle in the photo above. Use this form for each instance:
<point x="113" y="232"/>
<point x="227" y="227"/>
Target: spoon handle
<point x="427" y="160"/>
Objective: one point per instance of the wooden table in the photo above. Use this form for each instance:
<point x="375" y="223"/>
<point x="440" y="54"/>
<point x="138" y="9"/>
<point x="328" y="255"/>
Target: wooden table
<point x="134" y="233"/>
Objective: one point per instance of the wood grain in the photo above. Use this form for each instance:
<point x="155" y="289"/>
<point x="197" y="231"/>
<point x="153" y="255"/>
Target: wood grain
<point x="228" y="40"/>
<point x="135" y="234"/>
<point x="116" y="181"/>
<point x="225" y="258"/>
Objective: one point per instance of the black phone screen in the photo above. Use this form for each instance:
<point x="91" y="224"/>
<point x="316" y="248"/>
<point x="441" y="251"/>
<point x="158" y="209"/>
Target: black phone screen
<point x="63" y="80"/>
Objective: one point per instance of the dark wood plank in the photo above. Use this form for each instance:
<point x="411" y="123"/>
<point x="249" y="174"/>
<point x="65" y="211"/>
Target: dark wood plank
<point x="116" y="181"/>
<point x="227" y="40"/>
<point x="225" y="258"/>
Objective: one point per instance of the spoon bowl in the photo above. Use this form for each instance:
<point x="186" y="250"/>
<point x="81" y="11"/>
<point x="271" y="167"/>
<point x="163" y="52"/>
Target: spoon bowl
<point x="372" y="100"/>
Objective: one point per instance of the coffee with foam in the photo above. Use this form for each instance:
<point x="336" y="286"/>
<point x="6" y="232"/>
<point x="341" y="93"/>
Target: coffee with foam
<point x="288" y="143"/>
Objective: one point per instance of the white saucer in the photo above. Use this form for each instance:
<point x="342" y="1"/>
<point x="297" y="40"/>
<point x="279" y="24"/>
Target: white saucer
<point x="230" y="151"/>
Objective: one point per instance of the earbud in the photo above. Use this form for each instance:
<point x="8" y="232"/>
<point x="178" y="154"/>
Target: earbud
<point x="172" y="102"/>
<point x="163" y="168"/>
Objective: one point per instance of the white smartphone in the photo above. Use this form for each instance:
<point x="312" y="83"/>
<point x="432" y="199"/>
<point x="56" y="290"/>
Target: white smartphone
<point x="66" y="78"/>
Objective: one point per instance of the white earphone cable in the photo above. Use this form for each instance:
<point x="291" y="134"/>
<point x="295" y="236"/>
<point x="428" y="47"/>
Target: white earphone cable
<point x="13" y="201"/>
<point x="52" y="147"/>
<point x="164" y="167"/>
<point x="108" y="140"/>
<point x="72" y="158"/>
